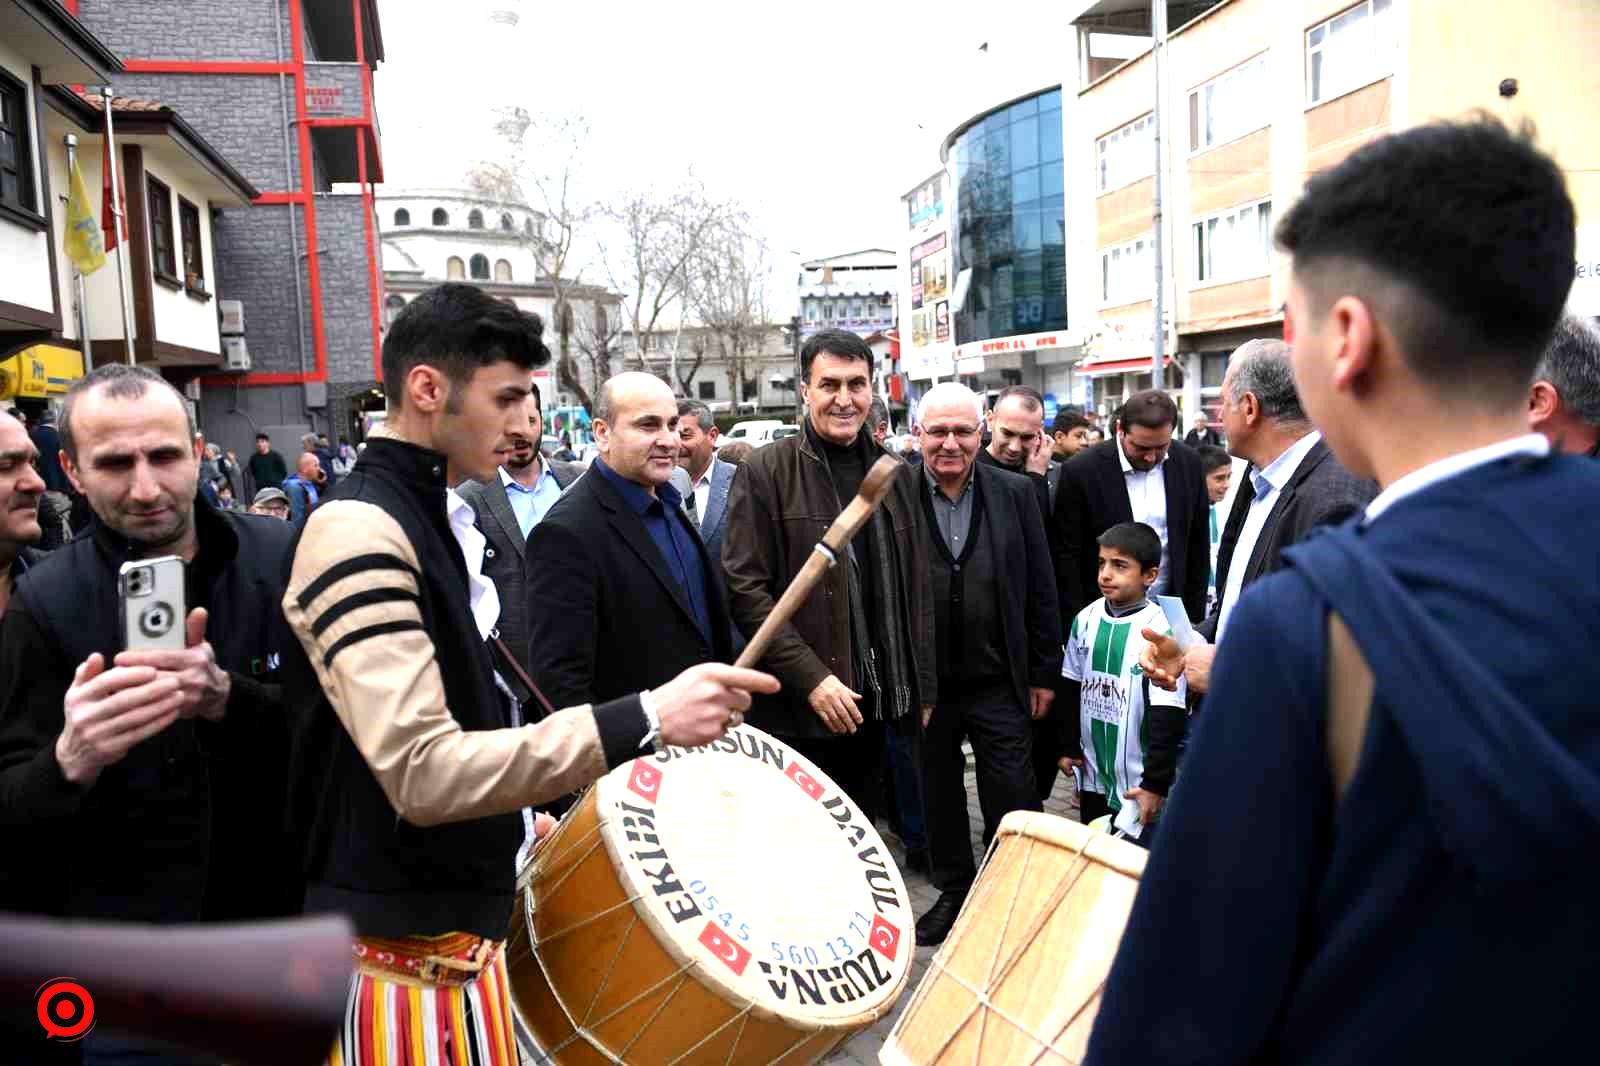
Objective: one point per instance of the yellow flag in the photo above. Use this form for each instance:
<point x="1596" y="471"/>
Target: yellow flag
<point x="85" y="243"/>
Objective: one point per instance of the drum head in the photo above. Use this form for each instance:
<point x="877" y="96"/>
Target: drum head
<point x="753" y="868"/>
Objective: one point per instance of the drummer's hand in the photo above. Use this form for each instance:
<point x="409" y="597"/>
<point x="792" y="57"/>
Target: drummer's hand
<point x="1149" y="804"/>
<point x="835" y="704"/>
<point x="1161" y="660"/>
<point x="699" y="705"/>
<point x="542" y="825"/>
<point x="1067" y="763"/>
<point x="1197" y="666"/>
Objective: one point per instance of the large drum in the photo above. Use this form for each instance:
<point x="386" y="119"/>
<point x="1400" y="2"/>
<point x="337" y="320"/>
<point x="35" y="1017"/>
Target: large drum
<point x="1019" y="979"/>
<point x="724" y="904"/>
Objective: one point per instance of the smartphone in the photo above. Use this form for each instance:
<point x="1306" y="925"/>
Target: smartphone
<point x="153" y="609"/>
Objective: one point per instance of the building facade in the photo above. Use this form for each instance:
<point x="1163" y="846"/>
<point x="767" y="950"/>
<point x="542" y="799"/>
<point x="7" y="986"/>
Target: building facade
<point x="436" y="235"/>
<point x="855" y="291"/>
<point x="702" y="364"/>
<point x="1257" y="95"/>
<point x="282" y="89"/>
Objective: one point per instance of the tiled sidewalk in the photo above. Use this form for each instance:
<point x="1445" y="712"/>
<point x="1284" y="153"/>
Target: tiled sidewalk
<point x="863" y="1050"/>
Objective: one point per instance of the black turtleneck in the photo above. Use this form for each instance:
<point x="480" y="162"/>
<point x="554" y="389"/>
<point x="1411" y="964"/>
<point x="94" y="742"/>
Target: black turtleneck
<point x="847" y="465"/>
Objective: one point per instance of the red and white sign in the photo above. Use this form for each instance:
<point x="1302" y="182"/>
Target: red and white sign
<point x="724" y="947"/>
<point x="645" y="781"/>
<point x="808" y="784"/>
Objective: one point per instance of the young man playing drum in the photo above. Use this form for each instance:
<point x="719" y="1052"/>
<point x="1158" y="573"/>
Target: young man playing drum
<point x="408" y="776"/>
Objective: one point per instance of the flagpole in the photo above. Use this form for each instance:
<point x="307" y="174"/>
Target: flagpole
<point x="122" y="240"/>
<point x="71" y="141"/>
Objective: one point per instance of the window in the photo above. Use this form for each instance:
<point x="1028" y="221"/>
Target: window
<point x="16" y="143"/>
<point x="708" y="390"/>
<point x="855" y="310"/>
<point x="1229" y="106"/>
<point x="1127" y="274"/>
<point x="454" y="268"/>
<point x="1124" y="156"/>
<point x="527" y="226"/>
<point x="480" y="267"/>
<point x="1235" y="244"/>
<point x="441" y="217"/>
<point x="402" y="217"/>
<point x="194" y="262"/>
<point x="475" y="219"/>
<point x="1348" y="51"/>
<point x="811" y="310"/>
<point x="506" y="224"/>
<point x="392" y="306"/>
<point x="502" y="270"/>
<point x="163" y="261"/>
<point x="827" y="312"/>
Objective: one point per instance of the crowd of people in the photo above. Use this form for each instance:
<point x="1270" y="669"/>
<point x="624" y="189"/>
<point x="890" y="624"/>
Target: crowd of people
<point x="454" y="632"/>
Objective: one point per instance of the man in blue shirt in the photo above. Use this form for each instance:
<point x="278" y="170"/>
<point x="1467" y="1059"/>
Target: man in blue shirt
<point x="301" y="488"/>
<point x="631" y="593"/>
<point x="1385" y="827"/>
<point x="506" y="509"/>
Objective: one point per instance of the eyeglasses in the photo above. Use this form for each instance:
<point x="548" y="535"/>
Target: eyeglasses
<point x="958" y="432"/>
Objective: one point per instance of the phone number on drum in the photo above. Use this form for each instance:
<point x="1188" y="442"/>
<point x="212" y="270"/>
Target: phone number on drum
<point x="838" y="948"/>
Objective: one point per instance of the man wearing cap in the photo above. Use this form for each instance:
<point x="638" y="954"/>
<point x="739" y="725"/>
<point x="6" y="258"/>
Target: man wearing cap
<point x="271" y="502"/>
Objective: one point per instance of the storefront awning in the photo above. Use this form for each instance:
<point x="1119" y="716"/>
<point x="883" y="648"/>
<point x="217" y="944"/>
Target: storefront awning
<point x="39" y="372"/>
<point x="1107" y="367"/>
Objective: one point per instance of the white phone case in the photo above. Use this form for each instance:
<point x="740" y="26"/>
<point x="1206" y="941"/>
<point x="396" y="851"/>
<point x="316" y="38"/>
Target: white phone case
<point x="153" y="608"/>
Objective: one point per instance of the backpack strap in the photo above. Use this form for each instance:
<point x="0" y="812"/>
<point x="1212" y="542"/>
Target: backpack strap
<point x="1350" y="690"/>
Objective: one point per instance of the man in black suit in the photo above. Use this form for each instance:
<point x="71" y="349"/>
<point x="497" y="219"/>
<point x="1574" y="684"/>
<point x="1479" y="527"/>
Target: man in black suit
<point x="1140" y="476"/>
<point x="507" y="508"/>
<point x="997" y="635"/>
<point x="630" y="599"/>
<point x="1293" y="483"/>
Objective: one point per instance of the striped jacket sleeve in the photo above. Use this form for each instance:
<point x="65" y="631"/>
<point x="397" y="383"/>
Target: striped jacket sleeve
<point x="353" y="603"/>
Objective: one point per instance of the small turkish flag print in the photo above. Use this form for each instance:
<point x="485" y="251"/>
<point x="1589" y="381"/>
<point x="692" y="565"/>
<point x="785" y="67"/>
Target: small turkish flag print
<point x="808" y="784"/>
<point x="724" y="947"/>
<point x="645" y="780"/>
<point x="884" y="938"/>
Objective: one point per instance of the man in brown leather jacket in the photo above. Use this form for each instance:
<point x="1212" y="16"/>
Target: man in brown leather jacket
<point x="858" y="656"/>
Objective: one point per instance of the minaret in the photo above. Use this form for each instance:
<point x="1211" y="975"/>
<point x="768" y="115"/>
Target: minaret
<point x="501" y="61"/>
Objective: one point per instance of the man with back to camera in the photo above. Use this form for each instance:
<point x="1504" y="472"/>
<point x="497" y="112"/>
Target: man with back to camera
<point x="1399" y="763"/>
<point x="164" y="769"/>
<point x="408" y="776"/>
<point x="857" y="657"/>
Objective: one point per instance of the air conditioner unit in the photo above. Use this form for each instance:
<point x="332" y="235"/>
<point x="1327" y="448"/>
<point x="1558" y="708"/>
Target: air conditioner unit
<point x="232" y="312"/>
<point x="235" y="353"/>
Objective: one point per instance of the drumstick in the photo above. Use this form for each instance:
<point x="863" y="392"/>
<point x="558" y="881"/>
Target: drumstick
<point x="827" y="551"/>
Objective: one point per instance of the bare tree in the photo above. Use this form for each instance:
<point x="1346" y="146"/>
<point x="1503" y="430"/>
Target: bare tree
<point x="651" y="253"/>
<point x="552" y="175"/>
<point x="596" y="330"/>
<point x="729" y="297"/>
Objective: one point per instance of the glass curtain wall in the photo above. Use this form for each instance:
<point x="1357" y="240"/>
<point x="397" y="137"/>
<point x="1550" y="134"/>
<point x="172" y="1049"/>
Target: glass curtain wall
<point x="1010" y="221"/>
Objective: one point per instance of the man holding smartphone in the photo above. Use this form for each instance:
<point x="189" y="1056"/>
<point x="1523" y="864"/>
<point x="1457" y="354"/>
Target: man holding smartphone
<point x="158" y="774"/>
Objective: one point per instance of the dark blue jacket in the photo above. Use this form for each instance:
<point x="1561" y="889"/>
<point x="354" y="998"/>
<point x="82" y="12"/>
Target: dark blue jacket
<point x="1444" y="910"/>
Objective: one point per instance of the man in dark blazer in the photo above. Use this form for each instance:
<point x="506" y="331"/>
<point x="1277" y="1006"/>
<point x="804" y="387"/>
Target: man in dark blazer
<point x="627" y="592"/>
<point x="1293" y="484"/>
<point x="1202" y="433"/>
<point x="1140" y="475"/>
<point x="703" y="480"/>
<point x="507" y="509"/>
<point x="997" y="636"/>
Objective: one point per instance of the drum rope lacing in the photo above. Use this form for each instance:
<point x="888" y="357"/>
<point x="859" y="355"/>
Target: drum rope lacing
<point x="981" y="1000"/>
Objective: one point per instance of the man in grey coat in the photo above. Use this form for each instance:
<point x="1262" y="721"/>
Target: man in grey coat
<point x="507" y="509"/>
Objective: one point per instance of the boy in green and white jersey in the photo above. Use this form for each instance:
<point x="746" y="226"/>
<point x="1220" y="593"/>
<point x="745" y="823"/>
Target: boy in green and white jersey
<point x="1124" y="739"/>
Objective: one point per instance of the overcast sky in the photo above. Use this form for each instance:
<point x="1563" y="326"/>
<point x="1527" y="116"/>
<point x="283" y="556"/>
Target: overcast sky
<point x="806" y="113"/>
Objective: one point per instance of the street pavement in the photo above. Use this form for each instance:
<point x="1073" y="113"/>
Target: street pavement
<point x="862" y="1050"/>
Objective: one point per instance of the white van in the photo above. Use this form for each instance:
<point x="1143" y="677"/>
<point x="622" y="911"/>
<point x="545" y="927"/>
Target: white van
<point x="760" y="431"/>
